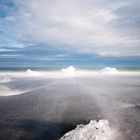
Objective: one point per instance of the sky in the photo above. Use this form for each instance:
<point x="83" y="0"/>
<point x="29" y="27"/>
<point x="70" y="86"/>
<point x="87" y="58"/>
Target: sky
<point x="84" y="33"/>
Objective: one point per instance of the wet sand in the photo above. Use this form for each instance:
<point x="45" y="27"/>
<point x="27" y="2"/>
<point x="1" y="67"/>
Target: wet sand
<point x="50" y="107"/>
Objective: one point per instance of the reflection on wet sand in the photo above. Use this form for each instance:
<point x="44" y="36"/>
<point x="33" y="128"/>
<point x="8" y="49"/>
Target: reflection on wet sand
<point x="52" y="106"/>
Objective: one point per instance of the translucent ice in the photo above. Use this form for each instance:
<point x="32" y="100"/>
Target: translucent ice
<point x="108" y="70"/>
<point x="69" y="70"/>
<point x="92" y="131"/>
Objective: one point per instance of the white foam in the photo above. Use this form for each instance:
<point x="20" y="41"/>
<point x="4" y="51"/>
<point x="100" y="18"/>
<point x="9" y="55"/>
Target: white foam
<point x="7" y="91"/>
<point x="4" y="78"/>
<point x="109" y="70"/>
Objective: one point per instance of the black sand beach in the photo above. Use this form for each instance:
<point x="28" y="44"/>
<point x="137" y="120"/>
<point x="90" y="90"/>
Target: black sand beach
<point x="53" y="106"/>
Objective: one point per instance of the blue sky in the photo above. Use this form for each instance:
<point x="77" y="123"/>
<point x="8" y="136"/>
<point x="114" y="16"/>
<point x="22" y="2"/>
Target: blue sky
<point x="49" y="33"/>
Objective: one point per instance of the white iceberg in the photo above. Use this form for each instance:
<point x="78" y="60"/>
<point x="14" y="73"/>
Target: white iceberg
<point x="109" y="70"/>
<point x="34" y="73"/>
<point x="69" y="70"/>
<point x="4" y="78"/>
<point x="92" y="131"/>
<point x="31" y="72"/>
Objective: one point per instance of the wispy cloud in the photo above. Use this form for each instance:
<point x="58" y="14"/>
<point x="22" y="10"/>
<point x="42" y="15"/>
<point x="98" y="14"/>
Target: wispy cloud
<point x="97" y="27"/>
<point x="7" y="50"/>
<point x="9" y="55"/>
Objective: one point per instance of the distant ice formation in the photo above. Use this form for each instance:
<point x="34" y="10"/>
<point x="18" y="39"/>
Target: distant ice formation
<point x="31" y="72"/>
<point x="69" y="70"/>
<point x="109" y="70"/>
<point x="92" y="131"/>
<point x="4" y="78"/>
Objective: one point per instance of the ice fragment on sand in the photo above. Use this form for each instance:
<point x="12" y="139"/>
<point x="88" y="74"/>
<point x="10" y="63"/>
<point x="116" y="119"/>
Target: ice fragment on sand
<point x="92" y="131"/>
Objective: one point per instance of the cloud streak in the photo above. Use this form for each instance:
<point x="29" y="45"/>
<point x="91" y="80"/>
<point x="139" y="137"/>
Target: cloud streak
<point x="94" y="27"/>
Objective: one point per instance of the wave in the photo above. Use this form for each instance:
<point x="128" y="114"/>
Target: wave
<point x="4" y="78"/>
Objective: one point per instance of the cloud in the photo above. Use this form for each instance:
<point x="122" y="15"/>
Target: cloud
<point x="95" y="27"/>
<point x="7" y="50"/>
<point x="9" y="55"/>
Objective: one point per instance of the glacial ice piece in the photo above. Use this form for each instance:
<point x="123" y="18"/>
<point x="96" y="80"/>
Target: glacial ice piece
<point x="92" y="131"/>
<point x="69" y="70"/>
<point x="31" y="72"/>
<point x="109" y="70"/>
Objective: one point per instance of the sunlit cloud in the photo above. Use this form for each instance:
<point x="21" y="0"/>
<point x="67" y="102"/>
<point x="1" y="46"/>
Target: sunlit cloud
<point x="51" y="32"/>
<point x="9" y="55"/>
<point x="86" y="26"/>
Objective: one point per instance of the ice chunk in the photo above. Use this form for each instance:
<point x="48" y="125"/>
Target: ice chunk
<point x="32" y="73"/>
<point x="92" y="131"/>
<point x="69" y="70"/>
<point x="4" y="78"/>
<point x="109" y="70"/>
